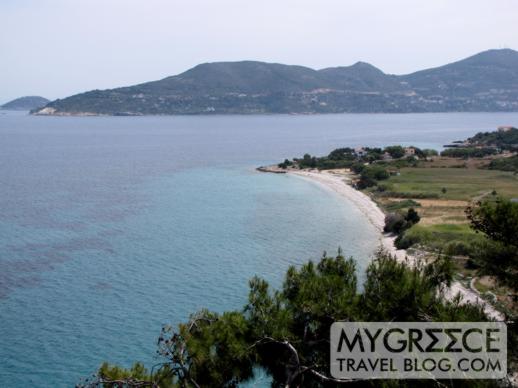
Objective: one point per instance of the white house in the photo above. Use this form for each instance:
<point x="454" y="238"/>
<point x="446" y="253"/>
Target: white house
<point x="360" y="152"/>
<point x="409" y="151"/>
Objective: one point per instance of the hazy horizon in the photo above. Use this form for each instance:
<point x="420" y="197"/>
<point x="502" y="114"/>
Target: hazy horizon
<point x="54" y="48"/>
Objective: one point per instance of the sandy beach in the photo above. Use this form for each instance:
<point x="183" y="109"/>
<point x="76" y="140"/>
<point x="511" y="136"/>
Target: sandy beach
<point x="339" y="183"/>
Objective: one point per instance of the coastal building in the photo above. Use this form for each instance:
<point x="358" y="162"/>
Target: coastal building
<point x="505" y="128"/>
<point x="360" y="152"/>
<point x="409" y="151"/>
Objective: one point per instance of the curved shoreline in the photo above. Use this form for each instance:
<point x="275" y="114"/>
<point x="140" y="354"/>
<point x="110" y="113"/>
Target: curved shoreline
<point x="372" y="212"/>
<point x="338" y="184"/>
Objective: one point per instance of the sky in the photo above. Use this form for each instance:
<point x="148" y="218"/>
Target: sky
<point x="56" y="48"/>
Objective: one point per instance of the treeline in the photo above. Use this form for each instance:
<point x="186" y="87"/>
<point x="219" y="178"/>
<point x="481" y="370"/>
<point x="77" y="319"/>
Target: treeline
<point x="504" y="164"/>
<point x="503" y="139"/>
<point x="485" y="144"/>
<point x="347" y="157"/>
<point x="469" y="152"/>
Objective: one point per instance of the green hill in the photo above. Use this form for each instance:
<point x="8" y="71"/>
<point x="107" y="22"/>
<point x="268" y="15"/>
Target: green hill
<point x="484" y="82"/>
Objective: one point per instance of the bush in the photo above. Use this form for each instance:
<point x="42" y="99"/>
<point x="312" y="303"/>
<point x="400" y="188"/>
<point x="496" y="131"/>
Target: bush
<point x="429" y="152"/>
<point x="504" y="164"/>
<point x="394" y="223"/>
<point x="468" y="152"/>
<point x="397" y="223"/>
<point x="412" y="216"/>
<point x="375" y="172"/>
<point x="457" y="248"/>
<point x="437" y="237"/>
<point x="395" y="152"/>
<point x="406" y="203"/>
<point x="411" y="237"/>
<point x="285" y="164"/>
<point x="403" y="242"/>
<point x="365" y="182"/>
<point x="357" y="168"/>
<point x="382" y="187"/>
<point x="403" y="194"/>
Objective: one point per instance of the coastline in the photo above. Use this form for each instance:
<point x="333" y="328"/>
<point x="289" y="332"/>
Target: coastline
<point x="339" y="183"/>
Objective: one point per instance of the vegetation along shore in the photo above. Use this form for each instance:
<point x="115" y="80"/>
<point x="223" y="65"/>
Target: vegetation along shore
<point x="426" y="204"/>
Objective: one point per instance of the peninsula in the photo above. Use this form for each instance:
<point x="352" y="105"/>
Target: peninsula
<point x="424" y="205"/>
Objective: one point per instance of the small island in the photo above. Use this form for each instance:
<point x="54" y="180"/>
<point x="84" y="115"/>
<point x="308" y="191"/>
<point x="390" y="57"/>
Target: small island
<point x="25" y="103"/>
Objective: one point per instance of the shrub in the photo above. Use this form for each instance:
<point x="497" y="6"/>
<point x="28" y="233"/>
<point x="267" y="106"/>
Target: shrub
<point x="405" y="194"/>
<point x="429" y="152"/>
<point x="395" y="151"/>
<point x="365" y="182"/>
<point x="394" y="223"/>
<point x="469" y="152"/>
<point x="504" y="164"/>
<point x="357" y="168"/>
<point x="412" y="216"/>
<point x="382" y="187"/>
<point x="457" y="248"/>
<point x="285" y="164"/>
<point x="406" y="203"/>
<point x="411" y="237"/>
<point x="397" y="223"/>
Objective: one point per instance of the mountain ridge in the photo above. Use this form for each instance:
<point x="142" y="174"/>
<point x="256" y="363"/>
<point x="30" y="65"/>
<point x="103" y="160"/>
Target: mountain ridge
<point x="487" y="81"/>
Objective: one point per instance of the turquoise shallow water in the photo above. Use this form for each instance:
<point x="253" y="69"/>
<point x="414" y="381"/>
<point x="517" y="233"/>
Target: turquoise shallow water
<point x="112" y="227"/>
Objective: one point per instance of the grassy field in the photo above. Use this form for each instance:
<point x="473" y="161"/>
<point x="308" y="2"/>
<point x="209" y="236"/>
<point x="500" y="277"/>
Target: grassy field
<point x="440" y="192"/>
<point x="460" y="183"/>
<point x="451" y="239"/>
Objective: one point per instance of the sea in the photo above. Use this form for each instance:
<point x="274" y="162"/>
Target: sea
<point x="111" y="227"/>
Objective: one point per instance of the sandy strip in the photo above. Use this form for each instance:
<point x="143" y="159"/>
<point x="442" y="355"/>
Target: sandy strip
<point x="339" y="183"/>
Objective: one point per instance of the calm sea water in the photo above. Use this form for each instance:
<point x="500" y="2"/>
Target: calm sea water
<point x="112" y="227"/>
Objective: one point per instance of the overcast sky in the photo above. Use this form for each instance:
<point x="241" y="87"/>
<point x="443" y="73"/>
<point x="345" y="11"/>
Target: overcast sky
<point x="56" y="48"/>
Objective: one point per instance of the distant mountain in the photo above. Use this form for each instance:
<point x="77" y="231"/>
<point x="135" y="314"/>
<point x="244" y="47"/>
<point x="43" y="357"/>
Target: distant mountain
<point x="26" y="103"/>
<point x="362" y="77"/>
<point x="484" y="82"/>
<point x="488" y="81"/>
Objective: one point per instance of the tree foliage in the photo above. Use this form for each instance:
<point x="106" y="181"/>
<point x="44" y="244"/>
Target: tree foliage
<point x="469" y="152"/>
<point x="286" y="332"/>
<point x="498" y="254"/>
<point x="395" y="151"/>
<point x="398" y="222"/>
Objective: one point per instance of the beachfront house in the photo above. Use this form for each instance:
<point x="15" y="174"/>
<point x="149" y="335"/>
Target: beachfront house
<point x="360" y="152"/>
<point x="409" y="151"/>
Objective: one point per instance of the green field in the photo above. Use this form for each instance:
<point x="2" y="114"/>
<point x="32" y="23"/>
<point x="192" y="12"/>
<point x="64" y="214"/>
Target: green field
<point x="440" y="196"/>
<point x="460" y="183"/>
<point x="452" y="239"/>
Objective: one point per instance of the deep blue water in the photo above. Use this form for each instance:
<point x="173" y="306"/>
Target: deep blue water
<point x="112" y="227"/>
